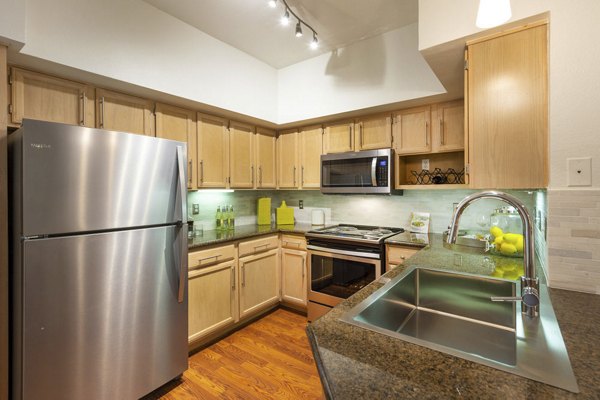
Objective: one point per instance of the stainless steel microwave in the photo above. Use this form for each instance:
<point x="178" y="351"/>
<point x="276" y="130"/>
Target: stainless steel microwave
<point x="358" y="172"/>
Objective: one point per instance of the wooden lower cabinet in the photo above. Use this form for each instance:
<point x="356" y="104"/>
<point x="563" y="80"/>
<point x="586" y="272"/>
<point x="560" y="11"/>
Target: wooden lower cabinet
<point x="259" y="282"/>
<point x="397" y="255"/>
<point x="293" y="277"/>
<point x="212" y="299"/>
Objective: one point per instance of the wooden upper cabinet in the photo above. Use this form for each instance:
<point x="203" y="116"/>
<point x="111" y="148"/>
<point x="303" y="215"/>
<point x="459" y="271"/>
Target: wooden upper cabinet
<point x="241" y="155"/>
<point x="311" y="148"/>
<point x="507" y="99"/>
<point x="179" y="124"/>
<point x="338" y="137"/>
<point x="448" y="126"/>
<point x="266" y="171"/>
<point x="373" y="132"/>
<point x="47" y="98"/>
<point x="287" y="155"/>
<point x="213" y="152"/>
<point x="411" y="130"/>
<point x="121" y="112"/>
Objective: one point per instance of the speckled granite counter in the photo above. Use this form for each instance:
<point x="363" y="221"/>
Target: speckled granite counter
<point x="356" y="363"/>
<point x="243" y="232"/>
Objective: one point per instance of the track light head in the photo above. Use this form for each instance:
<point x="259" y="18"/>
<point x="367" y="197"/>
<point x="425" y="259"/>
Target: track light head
<point x="298" y="29"/>
<point x="314" y="43"/>
<point x="272" y="3"/>
<point x="285" y="20"/>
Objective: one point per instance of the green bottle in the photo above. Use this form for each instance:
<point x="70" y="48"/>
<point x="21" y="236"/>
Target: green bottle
<point x="230" y="218"/>
<point x="219" y="219"/>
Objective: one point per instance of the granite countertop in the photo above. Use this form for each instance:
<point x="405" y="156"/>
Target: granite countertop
<point x="243" y="232"/>
<point x="356" y="363"/>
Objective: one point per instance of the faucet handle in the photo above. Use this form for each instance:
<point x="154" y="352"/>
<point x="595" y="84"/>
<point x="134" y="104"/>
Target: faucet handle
<point x="529" y="296"/>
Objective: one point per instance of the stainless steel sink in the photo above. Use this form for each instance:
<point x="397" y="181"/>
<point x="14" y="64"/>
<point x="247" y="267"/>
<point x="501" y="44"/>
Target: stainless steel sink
<point x="452" y="312"/>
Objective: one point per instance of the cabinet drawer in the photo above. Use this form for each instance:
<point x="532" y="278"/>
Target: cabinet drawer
<point x="293" y="242"/>
<point x="212" y="256"/>
<point x="397" y="255"/>
<point x="258" y="245"/>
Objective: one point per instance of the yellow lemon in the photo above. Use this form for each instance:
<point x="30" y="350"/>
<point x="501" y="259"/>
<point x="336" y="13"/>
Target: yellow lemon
<point x="494" y="230"/>
<point x="512" y="237"/>
<point x="507" y="248"/>
<point x="520" y="271"/>
<point x="508" y="267"/>
<point x="511" y="275"/>
<point x="497" y="273"/>
<point x="519" y="244"/>
<point x="499" y="240"/>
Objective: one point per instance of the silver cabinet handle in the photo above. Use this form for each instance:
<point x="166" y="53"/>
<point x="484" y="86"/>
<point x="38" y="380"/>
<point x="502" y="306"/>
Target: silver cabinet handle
<point x="294" y="175"/>
<point x="361" y="135"/>
<point x="261" y="246"/>
<point x="243" y="275"/>
<point x="426" y="136"/>
<point x="182" y="225"/>
<point x="201" y="170"/>
<point x="252" y="174"/>
<point x="302" y="178"/>
<point x="232" y="278"/>
<point x="102" y="112"/>
<point x="303" y="267"/>
<point x="291" y="243"/>
<point x="190" y="170"/>
<point x="350" y="136"/>
<point x="82" y="109"/>
<point x="260" y="175"/>
<point x="441" y="132"/>
<point x="209" y="258"/>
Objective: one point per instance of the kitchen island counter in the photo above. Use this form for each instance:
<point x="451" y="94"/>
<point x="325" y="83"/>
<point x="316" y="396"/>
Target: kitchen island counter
<point x="356" y="363"/>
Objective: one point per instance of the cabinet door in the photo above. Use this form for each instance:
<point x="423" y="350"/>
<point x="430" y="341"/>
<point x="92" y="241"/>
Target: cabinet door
<point x="411" y="131"/>
<point x="287" y="154"/>
<point x="46" y="98"/>
<point x="339" y="137"/>
<point x="293" y="276"/>
<point x="212" y="299"/>
<point x="507" y="99"/>
<point x="213" y="152"/>
<point x="121" y="112"/>
<point x="266" y="172"/>
<point x="241" y="155"/>
<point x="374" y="132"/>
<point x="448" y="127"/>
<point x="311" y="148"/>
<point x="178" y="124"/>
<point x="259" y="280"/>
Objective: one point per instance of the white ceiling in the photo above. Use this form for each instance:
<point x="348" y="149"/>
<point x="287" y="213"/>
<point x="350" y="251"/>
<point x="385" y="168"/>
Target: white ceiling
<point x="253" y="27"/>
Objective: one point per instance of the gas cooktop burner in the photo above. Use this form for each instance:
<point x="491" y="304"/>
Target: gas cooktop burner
<point x="355" y="232"/>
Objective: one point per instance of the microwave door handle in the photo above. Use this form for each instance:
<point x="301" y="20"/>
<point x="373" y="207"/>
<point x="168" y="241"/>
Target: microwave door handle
<point x="374" y="172"/>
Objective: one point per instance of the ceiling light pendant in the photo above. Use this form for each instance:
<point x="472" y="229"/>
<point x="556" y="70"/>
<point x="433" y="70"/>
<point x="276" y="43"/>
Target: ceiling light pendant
<point x="492" y="13"/>
<point x="272" y="3"/>
<point x="285" y="20"/>
<point x="314" y="43"/>
<point x="298" y="29"/>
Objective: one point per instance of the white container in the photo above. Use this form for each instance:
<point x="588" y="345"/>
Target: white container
<point x="318" y="217"/>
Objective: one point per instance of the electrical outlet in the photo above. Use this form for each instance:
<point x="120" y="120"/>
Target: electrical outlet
<point x="301" y="204"/>
<point x="579" y="171"/>
<point x="195" y="209"/>
<point x="425" y="164"/>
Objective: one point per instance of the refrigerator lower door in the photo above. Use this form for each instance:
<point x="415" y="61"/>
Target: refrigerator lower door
<point x="100" y="315"/>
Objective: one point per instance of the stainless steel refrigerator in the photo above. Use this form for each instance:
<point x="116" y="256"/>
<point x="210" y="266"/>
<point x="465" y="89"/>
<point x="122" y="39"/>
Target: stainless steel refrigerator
<point x="98" y="262"/>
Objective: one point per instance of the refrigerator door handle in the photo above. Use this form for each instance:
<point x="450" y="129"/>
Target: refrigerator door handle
<point x="183" y="196"/>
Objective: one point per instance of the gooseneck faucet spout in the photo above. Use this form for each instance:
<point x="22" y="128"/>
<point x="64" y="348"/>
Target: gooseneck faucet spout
<point x="529" y="282"/>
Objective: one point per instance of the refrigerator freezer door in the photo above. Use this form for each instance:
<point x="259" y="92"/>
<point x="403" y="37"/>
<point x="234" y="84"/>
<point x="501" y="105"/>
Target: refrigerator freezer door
<point x="101" y="317"/>
<point x="78" y="179"/>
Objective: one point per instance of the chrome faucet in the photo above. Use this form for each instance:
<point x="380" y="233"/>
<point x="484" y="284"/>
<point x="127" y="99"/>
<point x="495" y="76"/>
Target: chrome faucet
<point x="529" y="282"/>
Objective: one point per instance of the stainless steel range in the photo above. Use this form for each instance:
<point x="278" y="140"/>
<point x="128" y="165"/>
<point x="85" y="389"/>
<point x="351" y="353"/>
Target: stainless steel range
<point x="342" y="260"/>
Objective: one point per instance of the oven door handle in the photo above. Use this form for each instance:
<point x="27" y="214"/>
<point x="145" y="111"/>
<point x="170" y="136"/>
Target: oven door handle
<point x="374" y="172"/>
<point x="344" y="252"/>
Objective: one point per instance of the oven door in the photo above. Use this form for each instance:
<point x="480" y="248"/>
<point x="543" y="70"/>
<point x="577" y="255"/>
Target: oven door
<point x="335" y="276"/>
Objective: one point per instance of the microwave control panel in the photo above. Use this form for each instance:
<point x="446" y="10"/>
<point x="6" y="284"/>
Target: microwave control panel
<point x="381" y="171"/>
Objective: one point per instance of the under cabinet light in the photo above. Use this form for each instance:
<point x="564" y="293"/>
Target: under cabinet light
<point x="492" y="13"/>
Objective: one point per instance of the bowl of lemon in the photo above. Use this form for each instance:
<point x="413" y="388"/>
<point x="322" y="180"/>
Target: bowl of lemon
<point x="506" y="244"/>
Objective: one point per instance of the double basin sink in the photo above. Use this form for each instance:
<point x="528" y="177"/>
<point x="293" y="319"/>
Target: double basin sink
<point x="452" y="312"/>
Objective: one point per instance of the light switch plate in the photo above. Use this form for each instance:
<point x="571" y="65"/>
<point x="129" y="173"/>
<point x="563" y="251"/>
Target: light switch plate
<point x="195" y="209"/>
<point x="579" y="171"/>
<point x="425" y="164"/>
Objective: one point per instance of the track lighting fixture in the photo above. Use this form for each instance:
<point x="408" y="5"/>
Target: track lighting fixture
<point x="285" y="20"/>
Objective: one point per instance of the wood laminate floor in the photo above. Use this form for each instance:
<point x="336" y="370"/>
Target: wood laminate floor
<point x="269" y="359"/>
